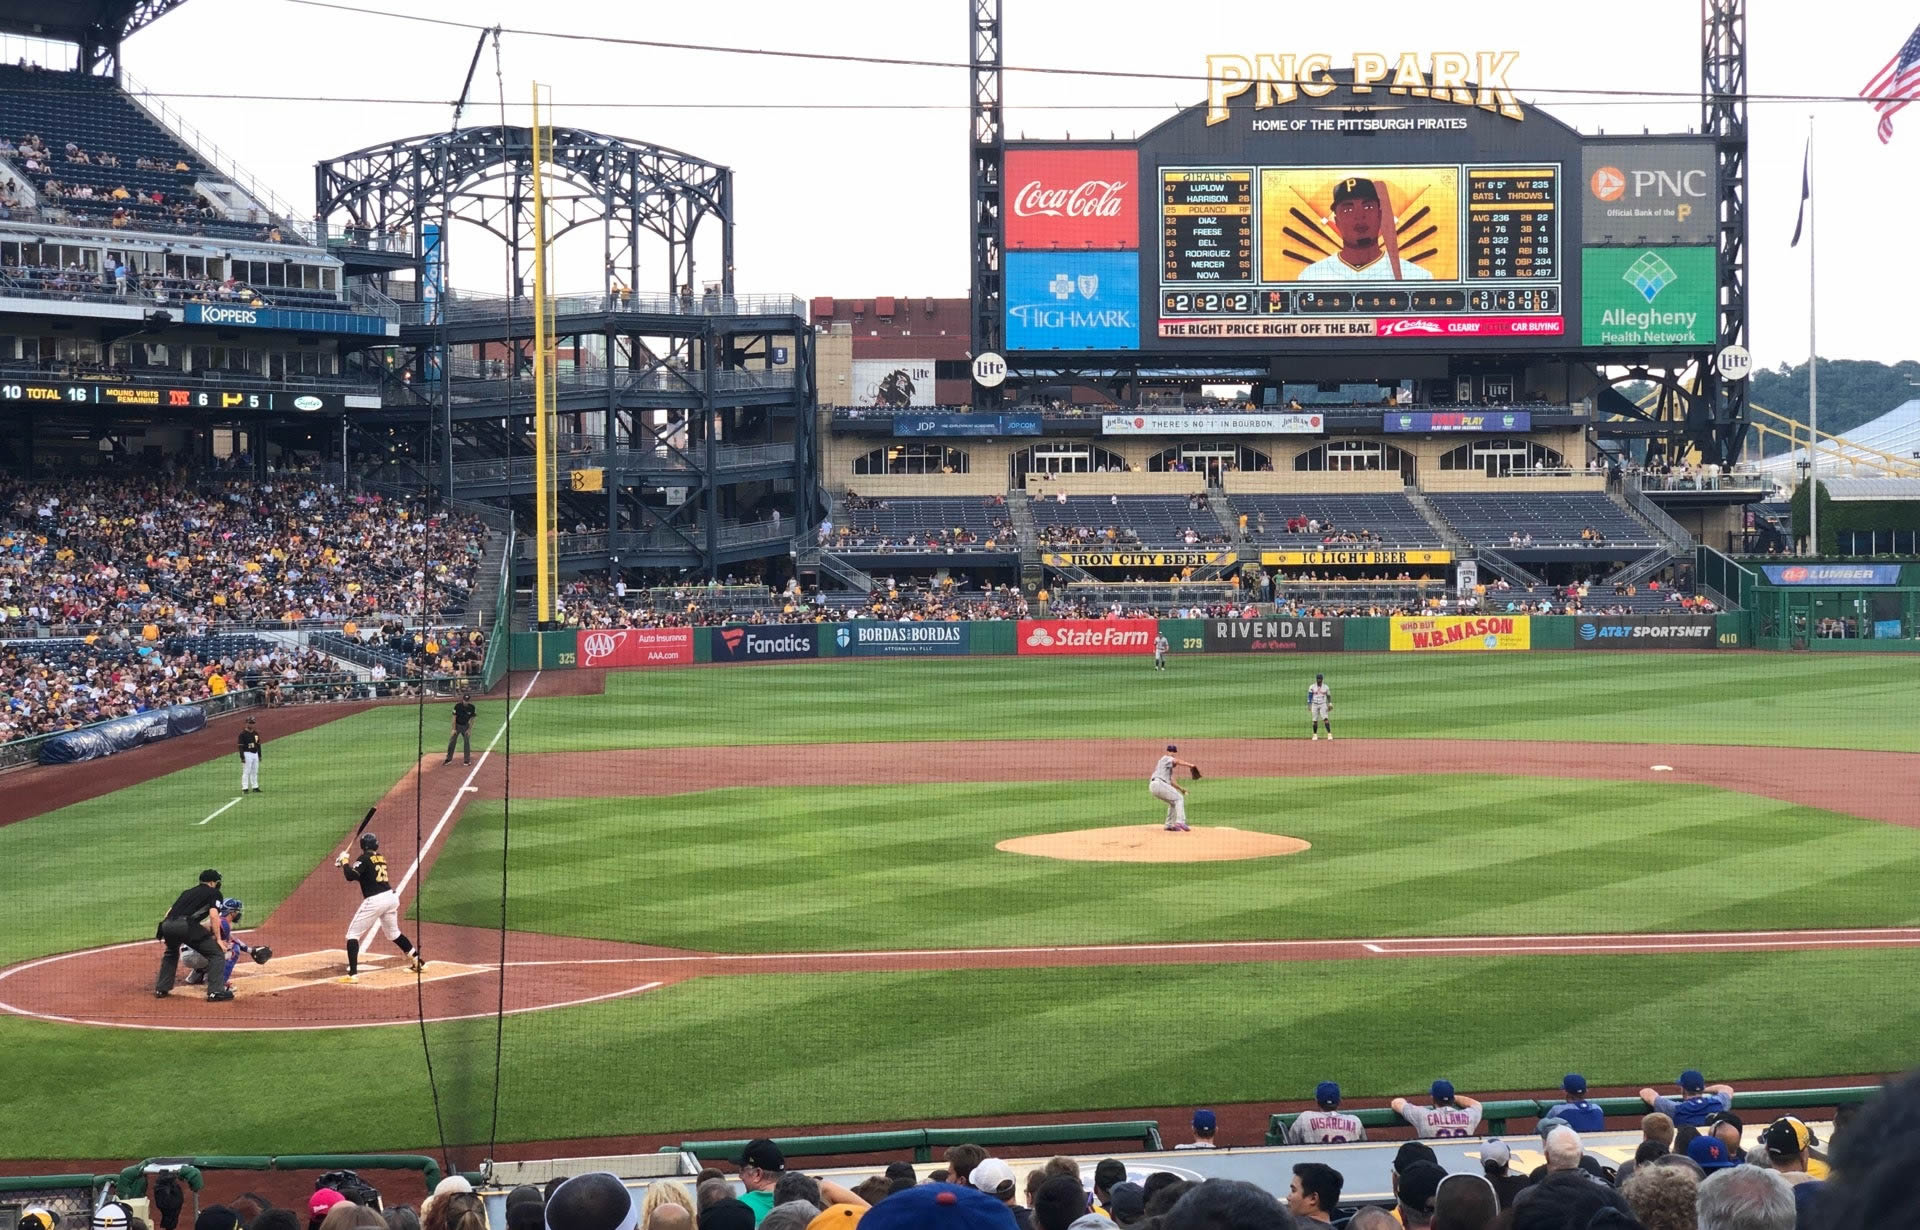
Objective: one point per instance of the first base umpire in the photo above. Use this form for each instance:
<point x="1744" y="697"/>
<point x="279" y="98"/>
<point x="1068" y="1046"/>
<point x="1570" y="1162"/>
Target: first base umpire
<point x="187" y="926"/>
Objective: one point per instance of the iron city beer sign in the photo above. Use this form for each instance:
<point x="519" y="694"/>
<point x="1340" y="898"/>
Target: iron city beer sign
<point x="1477" y="79"/>
<point x="1137" y="559"/>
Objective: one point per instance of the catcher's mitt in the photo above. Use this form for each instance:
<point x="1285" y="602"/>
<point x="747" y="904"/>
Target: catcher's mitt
<point x="262" y="955"/>
<point x="1195" y="770"/>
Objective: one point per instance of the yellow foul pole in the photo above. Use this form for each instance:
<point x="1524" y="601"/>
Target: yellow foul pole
<point x="544" y="511"/>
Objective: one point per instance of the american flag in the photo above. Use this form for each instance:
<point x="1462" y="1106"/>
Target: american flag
<point x="1896" y="85"/>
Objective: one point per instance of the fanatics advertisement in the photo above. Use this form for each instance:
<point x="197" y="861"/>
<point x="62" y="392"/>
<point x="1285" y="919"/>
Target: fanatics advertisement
<point x="1073" y="300"/>
<point x="1648" y="296"/>
<point x="1085" y="636"/>
<point x="766" y="642"/>
<point x="1211" y="424"/>
<point x="1272" y="635"/>
<point x="1479" y="420"/>
<point x="636" y="647"/>
<point x="1626" y="632"/>
<point x="1640" y="192"/>
<point x="1459" y="633"/>
<point x="864" y="640"/>
<point x="1072" y="199"/>
<point x="897" y="383"/>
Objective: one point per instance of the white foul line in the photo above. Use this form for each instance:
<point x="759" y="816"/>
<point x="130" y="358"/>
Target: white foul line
<point x="472" y="773"/>
<point x="230" y="803"/>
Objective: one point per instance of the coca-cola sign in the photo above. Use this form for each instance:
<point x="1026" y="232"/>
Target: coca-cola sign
<point x="1073" y="199"/>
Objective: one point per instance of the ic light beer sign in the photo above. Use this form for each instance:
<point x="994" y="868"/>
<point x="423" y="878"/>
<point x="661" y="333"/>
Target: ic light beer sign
<point x="1470" y="79"/>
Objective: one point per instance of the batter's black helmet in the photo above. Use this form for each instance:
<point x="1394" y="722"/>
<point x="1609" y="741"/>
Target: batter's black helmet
<point x="369" y="842"/>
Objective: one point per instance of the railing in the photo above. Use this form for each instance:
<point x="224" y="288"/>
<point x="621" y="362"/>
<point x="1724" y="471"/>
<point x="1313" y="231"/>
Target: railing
<point x="215" y="157"/>
<point x="1500" y="566"/>
<point x="194" y="380"/>
<point x="364" y="238"/>
<point x="1722" y="578"/>
<point x="1700" y="482"/>
<point x="1675" y="535"/>
<point x="624" y="460"/>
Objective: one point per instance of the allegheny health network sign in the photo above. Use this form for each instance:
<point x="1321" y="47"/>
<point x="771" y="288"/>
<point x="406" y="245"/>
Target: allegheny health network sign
<point x="1648" y="296"/>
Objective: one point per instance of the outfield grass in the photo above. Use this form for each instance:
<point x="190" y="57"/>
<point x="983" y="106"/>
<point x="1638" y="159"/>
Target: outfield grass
<point x="734" y="1053"/>
<point x="1741" y="698"/>
<point x="747" y="870"/>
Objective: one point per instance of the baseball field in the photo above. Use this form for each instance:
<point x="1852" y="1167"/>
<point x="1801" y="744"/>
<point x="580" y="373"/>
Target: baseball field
<point x="721" y="899"/>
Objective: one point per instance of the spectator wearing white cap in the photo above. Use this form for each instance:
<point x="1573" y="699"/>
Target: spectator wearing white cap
<point x="994" y="1177"/>
<point x="1204" y="1126"/>
<point x="1495" y="1157"/>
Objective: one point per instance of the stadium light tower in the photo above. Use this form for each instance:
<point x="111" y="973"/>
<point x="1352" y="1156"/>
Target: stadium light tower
<point x="987" y="144"/>
<point x="1723" y="82"/>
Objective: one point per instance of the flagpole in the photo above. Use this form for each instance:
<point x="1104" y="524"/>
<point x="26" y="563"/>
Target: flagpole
<point x="1813" y="363"/>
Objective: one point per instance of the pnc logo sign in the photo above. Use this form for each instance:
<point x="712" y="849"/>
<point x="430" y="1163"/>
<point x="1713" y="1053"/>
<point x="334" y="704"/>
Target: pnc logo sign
<point x="1608" y="183"/>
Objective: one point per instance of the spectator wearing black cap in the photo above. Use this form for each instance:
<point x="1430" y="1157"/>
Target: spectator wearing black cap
<point x="901" y="1176"/>
<point x="1204" y="1126"/>
<point x="1570" y="1200"/>
<point x="761" y="1165"/>
<point x="596" y="1200"/>
<point x="1580" y="1114"/>
<point x="1129" y="1203"/>
<point x="1227" y="1204"/>
<point x="1788" y="1143"/>
<point x="1419" y="1184"/>
<point x="1109" y="1172"/>
<point x="1452" y="1114"/>
<point x="1059" y="1203"/>
<point x="1465" y="1202"/>
<point x="1327" y="1124"/>
<point x="1315" y="1191"/>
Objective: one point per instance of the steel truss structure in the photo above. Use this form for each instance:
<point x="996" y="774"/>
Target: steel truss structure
<point x="689" y="401"/>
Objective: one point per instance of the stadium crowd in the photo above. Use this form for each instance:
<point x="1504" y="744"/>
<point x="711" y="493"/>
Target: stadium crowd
<point x="1697" y="1168"/>
<point x="80" y="552"/>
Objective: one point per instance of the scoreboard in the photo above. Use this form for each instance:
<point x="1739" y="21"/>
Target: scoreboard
<point x="134" y="395"/>
<point x="1277" y="252"/>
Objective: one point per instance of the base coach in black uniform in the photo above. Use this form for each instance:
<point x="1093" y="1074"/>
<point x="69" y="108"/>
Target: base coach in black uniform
<point x="462" y="729"/>
<point x="189" y="924"/>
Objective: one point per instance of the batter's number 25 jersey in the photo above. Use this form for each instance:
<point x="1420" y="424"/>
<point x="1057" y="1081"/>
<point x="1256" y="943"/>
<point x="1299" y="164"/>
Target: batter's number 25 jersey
<point x="370" y="873"/>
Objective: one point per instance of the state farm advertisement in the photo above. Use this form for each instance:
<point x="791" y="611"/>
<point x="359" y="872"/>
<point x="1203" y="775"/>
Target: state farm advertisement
<point x="1460" y="633"/>
<point x="636" y="647"/>
<point x="1086" y="636"/>
<point x="1073" y="199"/>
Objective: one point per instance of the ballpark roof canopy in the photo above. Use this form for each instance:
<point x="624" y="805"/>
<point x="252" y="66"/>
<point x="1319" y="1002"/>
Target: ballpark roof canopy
<point x="87" y="22"/>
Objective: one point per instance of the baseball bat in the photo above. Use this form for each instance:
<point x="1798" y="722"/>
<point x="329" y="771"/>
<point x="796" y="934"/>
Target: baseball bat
<point x="1310" y="223"/>
<point x="366" y="820"/>
<point x="1297" y="237"/>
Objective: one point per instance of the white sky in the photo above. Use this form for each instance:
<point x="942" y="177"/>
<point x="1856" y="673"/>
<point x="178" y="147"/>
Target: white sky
<point x="860" y="203"/>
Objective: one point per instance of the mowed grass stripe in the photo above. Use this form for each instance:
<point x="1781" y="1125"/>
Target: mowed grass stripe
<point x="1771" y="699"/>
<point x="889" y="867"/>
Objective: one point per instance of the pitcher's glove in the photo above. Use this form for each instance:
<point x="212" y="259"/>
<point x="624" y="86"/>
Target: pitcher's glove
<point x="262" y="954"/>
<point x="1195" y="771"/>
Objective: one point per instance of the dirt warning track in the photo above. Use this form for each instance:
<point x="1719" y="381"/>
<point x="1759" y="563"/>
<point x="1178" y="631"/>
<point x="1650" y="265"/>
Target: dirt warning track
<point x="475" y="972"/>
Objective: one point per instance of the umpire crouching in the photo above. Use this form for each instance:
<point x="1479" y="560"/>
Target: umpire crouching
<point x="188" y="924"/>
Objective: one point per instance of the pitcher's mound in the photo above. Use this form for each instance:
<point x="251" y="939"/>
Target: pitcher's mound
<point x="1151" y="843"/>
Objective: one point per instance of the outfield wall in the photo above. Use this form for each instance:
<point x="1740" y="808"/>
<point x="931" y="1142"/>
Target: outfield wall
<point x="751" y="643"/>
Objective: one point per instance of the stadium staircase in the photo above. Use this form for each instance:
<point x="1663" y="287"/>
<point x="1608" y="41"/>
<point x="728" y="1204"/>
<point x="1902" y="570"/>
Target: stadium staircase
<point x="1020" y="513"/>
<point x="831" y="564"/>
<point x="485" y="598"/>
<point x="1500" y="566"/>
<point x="1670" y="533"/>
<point x="1434" y="519"/>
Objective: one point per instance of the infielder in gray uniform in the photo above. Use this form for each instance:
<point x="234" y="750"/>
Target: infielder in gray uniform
<point x="1162" y="786"/>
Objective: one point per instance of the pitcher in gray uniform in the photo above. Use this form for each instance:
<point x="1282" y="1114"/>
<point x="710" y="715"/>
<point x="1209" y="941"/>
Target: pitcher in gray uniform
<point x="1162" y="786"/>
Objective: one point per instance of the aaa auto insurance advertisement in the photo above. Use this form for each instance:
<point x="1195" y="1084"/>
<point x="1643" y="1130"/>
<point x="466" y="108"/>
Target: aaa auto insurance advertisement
<point x="636" y="647"/>
<point x="1086" y="636"/>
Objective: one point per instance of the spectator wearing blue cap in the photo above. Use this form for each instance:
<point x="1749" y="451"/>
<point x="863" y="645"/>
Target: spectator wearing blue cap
<point x="1698" y="1100"/>
<point x="1710" y="1153"/>
<point x="1326" y="1124"/>
<point x="1452" y="1114"/>
<point x="939" y="1206"/>
<point x="1204" y="1125"/>
<point x="1580" y="1114"/>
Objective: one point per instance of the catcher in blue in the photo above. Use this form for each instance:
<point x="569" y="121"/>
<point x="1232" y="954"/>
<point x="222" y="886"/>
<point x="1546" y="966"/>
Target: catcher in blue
<point x="230" y="910"/>
<point x="1320" y="706"/>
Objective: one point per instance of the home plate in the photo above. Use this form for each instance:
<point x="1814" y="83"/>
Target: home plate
<point x="1662" y="768"/>
<point x="327" y="966"/>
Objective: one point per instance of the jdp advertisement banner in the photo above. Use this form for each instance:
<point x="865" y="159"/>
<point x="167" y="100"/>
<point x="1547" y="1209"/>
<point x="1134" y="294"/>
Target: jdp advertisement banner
<point x="1460" y="633"/>
<point x="1073" y="300"/>
<point x="1648" y="296"/>
<point x="1085" y="636"/>
<point x="1832" y="574"/>
<point x="863" y="640"/>
<point x="966" y="425"/>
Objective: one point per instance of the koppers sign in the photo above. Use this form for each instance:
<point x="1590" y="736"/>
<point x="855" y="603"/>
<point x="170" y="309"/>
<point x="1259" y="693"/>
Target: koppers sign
<point x="765" y="643"/>
<point x="1272" y="635"/>
<point x="1072" y="199"/>
<point x="636" y="647"/>
<point x="1624" y="632"/>
<point x="863" y="640"/>
<point x="1086" y="636"/>
<point x="1460" y="633"/>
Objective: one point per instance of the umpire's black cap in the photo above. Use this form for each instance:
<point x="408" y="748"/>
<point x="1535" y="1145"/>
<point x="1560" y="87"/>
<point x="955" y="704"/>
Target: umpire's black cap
<point x="209" y="876"/>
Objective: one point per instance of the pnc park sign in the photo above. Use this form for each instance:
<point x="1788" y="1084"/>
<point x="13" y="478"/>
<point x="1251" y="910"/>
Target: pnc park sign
<point x="1476" y="80"/>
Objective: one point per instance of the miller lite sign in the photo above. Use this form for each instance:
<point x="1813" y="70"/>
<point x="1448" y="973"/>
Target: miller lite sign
<point x="1073" y="199"/>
